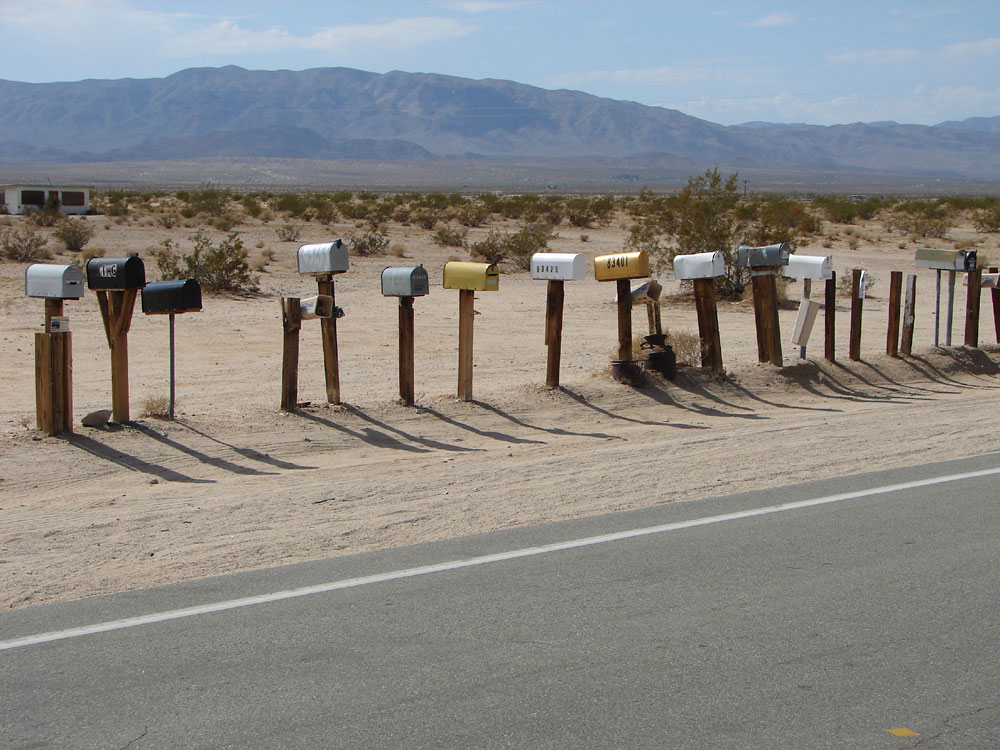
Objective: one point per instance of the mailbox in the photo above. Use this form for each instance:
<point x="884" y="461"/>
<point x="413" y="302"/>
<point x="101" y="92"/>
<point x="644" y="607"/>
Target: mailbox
<point x="116" y="273"/>
<point x="405" y="282"/>
<point x="809" y="267"/>
<point x="53" y="281"/>
<point x="946" y="260"/>
<point x="700" y="265"/>
<point x="558" y="266"/>
<point x="323" y="258"/>
<point x="621" y="266"/>
<point x="171" y="297"/>
<point x="480" y="277"/>
<point x="763" y="257"/>
<point x="320" y="306"/>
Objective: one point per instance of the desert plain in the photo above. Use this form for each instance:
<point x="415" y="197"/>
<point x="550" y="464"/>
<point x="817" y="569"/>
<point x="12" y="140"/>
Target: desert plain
<point x="234" y="483"/>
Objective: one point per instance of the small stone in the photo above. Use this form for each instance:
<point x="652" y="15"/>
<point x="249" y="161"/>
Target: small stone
<point x="154" y="480"/>
<point x="97" y="418"/>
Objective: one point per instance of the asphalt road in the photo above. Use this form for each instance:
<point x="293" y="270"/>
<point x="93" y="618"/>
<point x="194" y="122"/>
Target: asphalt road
<point x="734" y="623"/>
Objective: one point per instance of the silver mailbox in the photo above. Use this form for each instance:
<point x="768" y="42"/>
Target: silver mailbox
<point x="558" y="266"/>
<point x="700" y="265"/>
<point x="405" y="282"/>
<point x="323" y="258"/>
<point x="809" y="267"/>
<point x="763" y="257"/>
<point x="53" y="281"/>
<point x="946" y="260"/>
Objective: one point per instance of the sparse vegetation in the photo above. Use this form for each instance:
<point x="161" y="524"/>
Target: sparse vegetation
<point x="74" y="234"/>
<point x="289" y="232"/>
<point x="368" y="243"/>
<point x="222" y="267"/>
<point x="24" y="244"/>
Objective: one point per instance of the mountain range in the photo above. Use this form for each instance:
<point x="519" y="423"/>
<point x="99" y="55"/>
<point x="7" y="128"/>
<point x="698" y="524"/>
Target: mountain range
<point x="341" y="113"/>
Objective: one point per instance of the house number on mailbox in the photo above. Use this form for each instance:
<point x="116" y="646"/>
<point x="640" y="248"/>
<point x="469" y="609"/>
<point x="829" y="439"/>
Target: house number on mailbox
<point x="618" y="261"/>
<point x="108" y="271"/>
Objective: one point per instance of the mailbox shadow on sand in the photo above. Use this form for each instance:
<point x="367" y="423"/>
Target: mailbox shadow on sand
<point x="434" y="444"/>
<point x="494" y="434"/>
<point x="367" y="435"/>
<point x="252" y="453"/>
<point x="983" y="365"/>
<point x="219" y="463"/>
<point x="650" y="422"/>
<point x="126" y="461"/>
<point x="550" y="430"/>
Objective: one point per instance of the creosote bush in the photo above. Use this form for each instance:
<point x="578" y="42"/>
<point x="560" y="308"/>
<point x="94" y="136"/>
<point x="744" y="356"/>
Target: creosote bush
<point x="218" y="268"/>
<point x="24" y="244"/>
<point x="74" y="234"/>
<point x="289" y="232"/>
<point x="368" y="243"/>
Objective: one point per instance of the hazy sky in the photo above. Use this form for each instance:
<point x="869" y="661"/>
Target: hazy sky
<point x="828" y="62"/>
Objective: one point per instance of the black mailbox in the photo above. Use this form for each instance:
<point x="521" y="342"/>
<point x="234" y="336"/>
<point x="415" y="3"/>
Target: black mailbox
<point x="116" y="273"/>
<point x="171" y="297"/>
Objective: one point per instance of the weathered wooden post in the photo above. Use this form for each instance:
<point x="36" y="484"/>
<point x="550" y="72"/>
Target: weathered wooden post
<point x="857" y="303"/>
<point x="468" y="278"/>
<point x="620" y="268"/>
<point x="291" y="323"/>
<point x="895" y="299"/>
<point x="995" y="294"/>
<point x="763" y="262"/>
<point x="830" y="318"/>
<point x="974" y="283"/>
<point x="909" y="316"/>
<point x="54" y="345"/>
<point x="702" y="269"/>
<point x="323" y="261"/>
<point x="807" y="268"/>
<point x="117" y="282"/>
<point x="556" y="268"/>
<point x="171" y="298"/>
<point x="405" y="283"/>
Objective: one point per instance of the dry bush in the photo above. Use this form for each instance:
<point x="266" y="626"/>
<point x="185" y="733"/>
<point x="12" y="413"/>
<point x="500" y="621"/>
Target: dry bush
<point x="449" y="236"/>
<point x="74" y="234"/>
<point x="156" y="407"/>
<point x="289" y="232"/>
<point x="24" y="244"/>
<point x="93" y="252"/>
<point x="398" y="250"/>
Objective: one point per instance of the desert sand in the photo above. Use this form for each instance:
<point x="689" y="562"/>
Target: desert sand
<point x="235" y="484"/>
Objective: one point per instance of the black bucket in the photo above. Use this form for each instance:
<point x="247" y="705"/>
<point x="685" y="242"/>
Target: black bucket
<point x="663" y="361"/>
<point x="655" y="341"/>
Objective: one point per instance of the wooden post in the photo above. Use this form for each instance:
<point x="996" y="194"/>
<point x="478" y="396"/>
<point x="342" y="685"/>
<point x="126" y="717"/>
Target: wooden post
<point x="53" y="309"/>
<point x="328" y="330"/>
<point x="975" y="282"/>
<point x="708" y="324"/>
<point x="624" y="321"/>
<point x="765" y="307"/>
<point x="806" y="294"/>
<point x="116" y="312"/>
<point x="466" y="321"/>
<point x="951" y="307"/>
<point x="895" y="295"/>
<point x="291" y="320"/>
<point x="937" y="309"/>
<point x="995" y="294"/>
<point x="856" y="308"/>
<point x="909" y="314"/>
<point x="406" y="350"/>
<point x="830" y="319"/>
<point x="553" y="331"/>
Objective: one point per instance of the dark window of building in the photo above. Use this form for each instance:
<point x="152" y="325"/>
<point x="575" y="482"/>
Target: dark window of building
<point x="33" y="198"/>
<point x="72" y="198"/>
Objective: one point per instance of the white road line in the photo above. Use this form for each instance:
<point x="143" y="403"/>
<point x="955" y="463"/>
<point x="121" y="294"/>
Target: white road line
<point x="322" y="588"/>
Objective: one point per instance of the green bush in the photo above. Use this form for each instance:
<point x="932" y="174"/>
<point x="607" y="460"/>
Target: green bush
<point x="449" y="236"/>
<point x="517" y="247"/>
<point x="74" y="234"/>
<point x="24" y="244"/>
<point x="368" y="243"/>
<point x="218" y="268"/>
<point x="987" y="219"/>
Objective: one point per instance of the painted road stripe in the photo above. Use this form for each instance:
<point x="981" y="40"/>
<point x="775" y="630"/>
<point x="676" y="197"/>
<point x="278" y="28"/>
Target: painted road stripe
<point x="322" y="588"/>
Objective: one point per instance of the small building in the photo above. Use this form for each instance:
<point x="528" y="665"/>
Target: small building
<point x="21" y="199"/>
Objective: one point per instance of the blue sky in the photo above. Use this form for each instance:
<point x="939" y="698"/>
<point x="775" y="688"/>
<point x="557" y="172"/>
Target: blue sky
<point x="828" y="62"/>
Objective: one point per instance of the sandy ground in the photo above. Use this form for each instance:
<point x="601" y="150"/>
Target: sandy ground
<point x="235" y="484"/>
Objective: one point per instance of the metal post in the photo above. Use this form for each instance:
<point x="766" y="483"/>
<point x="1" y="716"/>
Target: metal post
<point x="171" y="412"/>
<point x="806" y="294"/>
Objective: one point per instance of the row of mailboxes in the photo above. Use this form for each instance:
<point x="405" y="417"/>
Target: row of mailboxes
<point x="946" y="260"/>
<point x="55" y="281"/>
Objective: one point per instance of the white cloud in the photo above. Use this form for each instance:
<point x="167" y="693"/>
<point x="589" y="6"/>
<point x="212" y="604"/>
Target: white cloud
<point x="989" y="46"/>
<point x="484" y="6"/>
<point x="775" y="19"/>
<point x="226" y="37"/>
<point x="872" y="57"/>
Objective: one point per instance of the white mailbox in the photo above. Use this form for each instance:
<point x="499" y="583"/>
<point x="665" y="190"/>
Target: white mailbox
<point x="558" y="266"/>
<point x="763" y="257"/>
<point x="323" y="258"/>
<point x="53" y="281"/>
<point x="700" y="265"/>
<point x="809" y="267"/>
<point x="946" y="260"/>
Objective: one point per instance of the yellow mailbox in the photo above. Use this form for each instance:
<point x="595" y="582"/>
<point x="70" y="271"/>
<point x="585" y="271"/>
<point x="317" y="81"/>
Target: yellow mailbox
<point x="478" y="277"/>
<point x="621" y="266"/>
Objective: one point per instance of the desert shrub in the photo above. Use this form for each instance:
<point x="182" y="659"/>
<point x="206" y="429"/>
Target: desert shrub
<point x="449" y="236"/>
<point x="987" y="219"/>
<point x="225" y="221"/>
<point x="426" y="217"/>
<point x="218" y="268"/>
<point x="251" y="205"/>
<point x="368" y="243"/>
<point x="472" y="214"/>
<point x="157" y="407"/>
<point x="209" y="200"/>
<point x="579" y="212"/>
<point x="24" y="244"/>
<point x="922" y="218"/>
<point x="517" y="247"/>
<point x="491" y="248"/>
<point x="687" y="348"/>
<point x="326" y="213"/>
<point x="289" y="232"/>
<point x="845" y="281"/>
<point x="293" y="203"/>
<point x="844" y="210"/>
<point x="777" y="220"/>
<point x="49" y="215"/>
<point x="74" y="234"/>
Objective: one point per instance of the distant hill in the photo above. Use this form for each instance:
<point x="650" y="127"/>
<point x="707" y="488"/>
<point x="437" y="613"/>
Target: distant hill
<point x="340" y="113"/>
